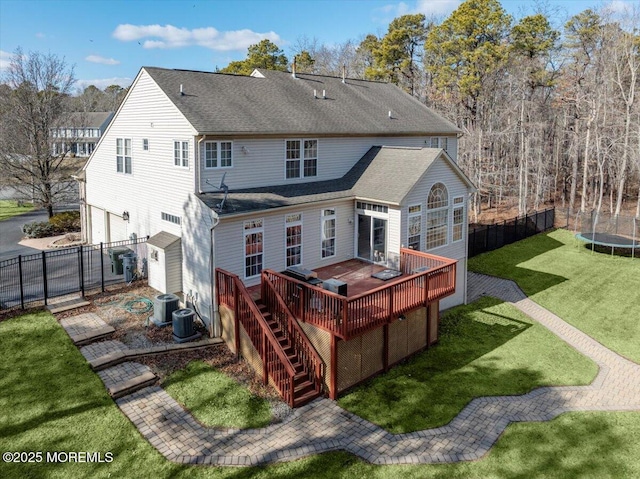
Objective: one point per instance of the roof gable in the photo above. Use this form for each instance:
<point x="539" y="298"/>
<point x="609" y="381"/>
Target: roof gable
<point x="276" y="103"/>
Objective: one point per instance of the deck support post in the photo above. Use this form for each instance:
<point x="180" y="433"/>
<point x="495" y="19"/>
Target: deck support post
<point x="236" y="320"/>
<point x="333" y="383"/>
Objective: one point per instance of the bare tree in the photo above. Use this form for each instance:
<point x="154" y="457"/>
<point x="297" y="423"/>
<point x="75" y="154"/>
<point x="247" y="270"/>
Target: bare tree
<point x="32" y="109"/>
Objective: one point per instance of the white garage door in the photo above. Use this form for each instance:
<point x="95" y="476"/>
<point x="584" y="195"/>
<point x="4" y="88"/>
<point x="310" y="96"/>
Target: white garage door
<point x="97" y="225"/>
<point x="117" y="228"/>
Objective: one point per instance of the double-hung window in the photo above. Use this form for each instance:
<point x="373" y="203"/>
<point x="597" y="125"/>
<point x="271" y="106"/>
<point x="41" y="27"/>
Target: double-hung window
<point x="301" y="158"/>
<point x="123" y="155"/>
<point x="253" y="247"/>
<point x="414" y="227"/>
<point x="181" y="153"/>
<point x="218" y="154"/>
<point x="437" y="216"/>
<point x="328" y="241"/>
<point x="440" y="142"/>
<point x="458" y="218"/>
<point x="293" y="233"/>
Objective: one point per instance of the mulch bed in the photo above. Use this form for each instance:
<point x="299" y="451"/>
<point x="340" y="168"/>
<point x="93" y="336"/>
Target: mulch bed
<point x="133" y="329"/>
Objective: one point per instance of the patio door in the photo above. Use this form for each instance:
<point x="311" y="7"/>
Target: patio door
<point x="372" y="238"/>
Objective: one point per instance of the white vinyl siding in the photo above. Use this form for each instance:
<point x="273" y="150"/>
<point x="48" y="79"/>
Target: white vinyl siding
<point x="229" y="234"/>
<point x="149" y="113"/>
<point x="260" y="162"/>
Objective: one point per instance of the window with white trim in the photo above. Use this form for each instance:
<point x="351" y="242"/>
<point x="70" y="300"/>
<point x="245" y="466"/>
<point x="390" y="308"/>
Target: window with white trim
<point x="293" y="239"/>
<point x="458" y="218"/>
<point x="181" y="153"/>
<point x="414" y="227"/>
<point x="437" y="216"/>
<point x="123" y="155"/>
<point x="145" y="144"/>
<point x="253" y="247"/>
<point x="301" y="158"/>
<point x="218" y="154"/>
<point x="440" y="142"/>
<point x="328" y="231"/>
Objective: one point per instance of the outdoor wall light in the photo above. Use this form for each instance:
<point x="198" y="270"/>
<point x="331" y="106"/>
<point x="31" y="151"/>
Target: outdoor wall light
<point x="125" y="216"/>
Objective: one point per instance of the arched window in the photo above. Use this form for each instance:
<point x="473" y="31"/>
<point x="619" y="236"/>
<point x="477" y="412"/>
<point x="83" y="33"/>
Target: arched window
<point x="437" y="216"/>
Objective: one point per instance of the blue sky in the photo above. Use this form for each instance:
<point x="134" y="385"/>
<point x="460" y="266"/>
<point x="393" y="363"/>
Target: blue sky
<point x="108" y="41"/>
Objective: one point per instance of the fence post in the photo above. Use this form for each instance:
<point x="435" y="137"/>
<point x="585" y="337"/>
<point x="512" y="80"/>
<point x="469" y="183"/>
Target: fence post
<point x="81" y="271"/>
<point x="44" y="277"/>
<point x="21" y="283"/>
<point x="102" y="265"/>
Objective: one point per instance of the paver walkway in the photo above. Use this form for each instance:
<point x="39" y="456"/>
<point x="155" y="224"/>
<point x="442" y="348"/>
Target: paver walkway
<point x="323" y="426"/>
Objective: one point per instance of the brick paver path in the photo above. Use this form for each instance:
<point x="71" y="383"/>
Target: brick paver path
<point x="85" y="327"/>
<point x="323" y="426"/>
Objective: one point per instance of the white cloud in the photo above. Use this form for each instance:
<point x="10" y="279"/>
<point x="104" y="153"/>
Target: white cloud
<point x="168" y="36"/>
<point x="40" y="35"/>
<point x="101" y="60"/>
<point x="428" y="7"/>
<point x="103" y="83"/>
<point x="5" y="59"/>
<point x="620" y="7"/>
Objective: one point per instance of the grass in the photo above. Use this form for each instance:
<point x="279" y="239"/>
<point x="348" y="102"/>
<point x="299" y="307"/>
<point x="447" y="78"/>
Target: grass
<point x="51" y="401"/>
<point x="215" y="399"/>
<point x="597" y="293"/>
<point x="10" y="208"/>
<point x="487" y="348"/>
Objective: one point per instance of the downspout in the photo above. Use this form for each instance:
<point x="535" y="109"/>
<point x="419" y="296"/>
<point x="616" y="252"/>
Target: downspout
<point x="215" y="326"/>
<point x="198" y="165"/>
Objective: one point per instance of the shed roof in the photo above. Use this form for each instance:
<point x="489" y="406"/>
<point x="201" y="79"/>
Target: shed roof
<point x="162" y="240"/>
<point x="276" y="103"/>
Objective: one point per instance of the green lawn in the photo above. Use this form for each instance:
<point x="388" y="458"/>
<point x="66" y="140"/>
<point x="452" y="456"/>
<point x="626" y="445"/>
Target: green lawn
<point x="51" y="401"/>
<point x="9" y="208"/>
<point x="215" y="399"/>
<point x="487" y="348"/>
<point x="597" y="293"/>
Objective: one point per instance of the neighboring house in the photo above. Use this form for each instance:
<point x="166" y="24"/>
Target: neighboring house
<point x="277" y="171"/>
<point x="80" y="133"/>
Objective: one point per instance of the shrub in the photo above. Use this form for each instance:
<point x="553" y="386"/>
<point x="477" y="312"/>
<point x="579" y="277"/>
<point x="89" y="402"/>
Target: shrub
<point x="61" y="223"/>
<point x="65" y="222"/>
<point x="38" y="229"/>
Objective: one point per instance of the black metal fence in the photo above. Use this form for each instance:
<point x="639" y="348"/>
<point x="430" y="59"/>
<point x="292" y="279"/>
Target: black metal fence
<point x="38" y="277"/>
<point x="489" y="237"/>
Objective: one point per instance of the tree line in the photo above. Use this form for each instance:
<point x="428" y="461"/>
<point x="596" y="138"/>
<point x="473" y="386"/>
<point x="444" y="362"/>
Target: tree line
<point x="549" y="113"/>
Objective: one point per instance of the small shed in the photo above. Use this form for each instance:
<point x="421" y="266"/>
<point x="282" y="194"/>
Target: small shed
<point x="165" y="262"/>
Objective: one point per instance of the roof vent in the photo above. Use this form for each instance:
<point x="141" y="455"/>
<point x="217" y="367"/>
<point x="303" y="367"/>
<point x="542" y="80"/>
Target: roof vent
<point x="324" y="94"/>
<point x="390" y="117"/>
<point x="181" y="90"/>
<point x="315" y="94"/>
<point x="293" y="68"/>
<point x="344" y="72"/>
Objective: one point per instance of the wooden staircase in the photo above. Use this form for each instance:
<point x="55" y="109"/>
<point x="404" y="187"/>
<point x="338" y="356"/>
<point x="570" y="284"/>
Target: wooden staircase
<point x="305" y="389"/>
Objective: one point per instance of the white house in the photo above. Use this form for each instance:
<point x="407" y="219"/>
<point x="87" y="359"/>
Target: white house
<point x="80" y="132"/>
<point x="272" y="171"/>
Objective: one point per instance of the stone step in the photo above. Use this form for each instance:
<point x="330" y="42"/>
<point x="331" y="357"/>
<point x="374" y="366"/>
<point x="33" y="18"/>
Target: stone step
<point x="126" y="378"/>
<point x="85" y="328"/>
<point x="67" y="305"/>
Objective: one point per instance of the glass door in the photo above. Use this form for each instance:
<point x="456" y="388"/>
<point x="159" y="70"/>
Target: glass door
<point x="372" y="238"/>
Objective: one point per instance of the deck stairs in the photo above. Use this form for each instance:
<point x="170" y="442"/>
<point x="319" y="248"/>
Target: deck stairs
<point x="305" y="389"/>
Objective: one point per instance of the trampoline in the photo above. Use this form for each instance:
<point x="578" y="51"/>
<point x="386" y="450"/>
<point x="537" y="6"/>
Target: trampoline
<point x="611" y="241"/>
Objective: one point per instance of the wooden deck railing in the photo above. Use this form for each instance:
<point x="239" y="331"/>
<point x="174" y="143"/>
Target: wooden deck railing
<point x="233" y="293"/>
<point x="292" y="331"/>
<point x="427" y="278"/>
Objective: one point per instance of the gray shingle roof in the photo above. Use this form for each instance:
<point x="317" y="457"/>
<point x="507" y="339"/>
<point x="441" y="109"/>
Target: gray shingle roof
<point x="91" y="119"/>
<point x="162" y="240"/>
<point x="384" y="174"/>
<point x="278" y="104"/>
